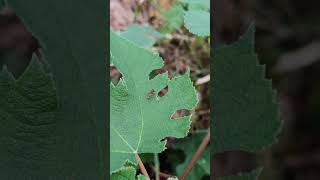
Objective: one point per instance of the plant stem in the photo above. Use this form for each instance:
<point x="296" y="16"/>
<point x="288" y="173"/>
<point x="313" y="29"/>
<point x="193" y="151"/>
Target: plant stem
<point x="157" y="166"/>
<point x="142" y="168"/>
<point x="196" y="156"/>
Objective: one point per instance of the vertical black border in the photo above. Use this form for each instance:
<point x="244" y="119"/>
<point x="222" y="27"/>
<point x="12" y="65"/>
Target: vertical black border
<point x="108" y="90"/>
<point x="216" y="10"/>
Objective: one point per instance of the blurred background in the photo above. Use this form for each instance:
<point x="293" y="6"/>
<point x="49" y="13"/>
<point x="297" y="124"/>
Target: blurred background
<point x="288" y="43"/>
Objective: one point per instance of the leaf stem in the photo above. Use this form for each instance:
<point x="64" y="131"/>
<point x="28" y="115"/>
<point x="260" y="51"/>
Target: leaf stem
<point x="196" y="156"/>
<point x="142" y="168"/>
<point x="157" y="166"/>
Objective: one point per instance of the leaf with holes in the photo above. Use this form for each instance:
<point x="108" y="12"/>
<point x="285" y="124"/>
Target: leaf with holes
<point x="140" y="118"/>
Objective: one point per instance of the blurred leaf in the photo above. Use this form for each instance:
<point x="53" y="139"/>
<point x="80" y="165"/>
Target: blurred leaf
<point x="197" y="4"/>
<point x="143" y="35"/>
<point x="147" y="157"/>
<point x="198" y="22"/>
<point x="245" y="114"/>
<point x="28" y="123"/>
<point x="73" y="39"/>
<point x="173" y="19"/>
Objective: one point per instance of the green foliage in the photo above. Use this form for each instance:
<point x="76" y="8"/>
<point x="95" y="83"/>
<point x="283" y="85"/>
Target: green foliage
<point x="197" y="4"/>
<point x="125" y="173"/>
<point x="73" y="39"/>
<point x="196" y="18"/>
<point x="143" y="35"/>
<point x="245" y="115"/>
<point x="198" y="22"/>
<point x="28" y="123"/>
<point x="140" y="121"/>
<point x="190" y="146"/>
<point x="173" y="18"/>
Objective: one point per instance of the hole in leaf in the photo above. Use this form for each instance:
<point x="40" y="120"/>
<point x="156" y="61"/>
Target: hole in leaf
<point x="155" y="72"/>
<point x="151" y="93"/>
<point x="115" y="74"/>
<point x="180" y="113"/>
<point x="163" y="91"/>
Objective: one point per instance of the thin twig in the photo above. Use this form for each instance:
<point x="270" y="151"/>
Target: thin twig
<point x="196" y="156"/>
<point x="142" y="168"/>
<point x="203" y="80"/>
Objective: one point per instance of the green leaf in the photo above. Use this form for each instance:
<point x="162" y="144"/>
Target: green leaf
<point x="140" y="122"/>
<point x="74" y="40"/>
<point x="28" y="123"/>
<point x="125" y="173"/>
<point x="190" y="146"/>
<point x="173" y="18"/>
<point x="245" y="115"/>
<point x="198" y="22"/>
<point x="245" y="176"/>
<point x="143" y="35"/>
<point x="141" y="177"/>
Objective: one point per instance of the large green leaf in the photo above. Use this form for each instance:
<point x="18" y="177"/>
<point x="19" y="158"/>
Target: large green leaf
<point x="139" y="122"/>
<point x="74" y="39"/>
<point x="28" y="123"/>
<point x="245" y="113"/>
